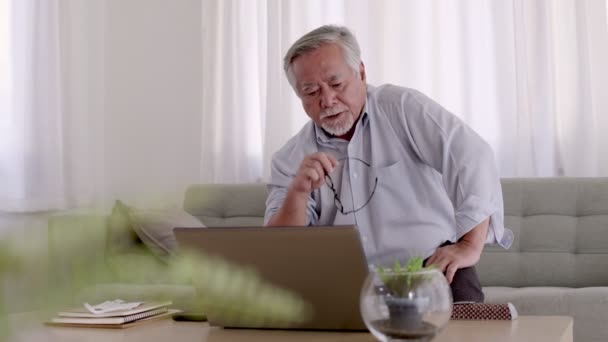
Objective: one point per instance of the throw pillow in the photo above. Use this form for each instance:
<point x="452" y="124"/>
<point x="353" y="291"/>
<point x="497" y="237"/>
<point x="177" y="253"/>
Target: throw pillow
<point x="121" y="237"/>
<point x="155" y="227"/>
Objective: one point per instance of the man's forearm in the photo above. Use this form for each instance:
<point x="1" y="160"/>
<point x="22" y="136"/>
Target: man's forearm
<point x="292" y="212"/>
<point x="476" y="237"/>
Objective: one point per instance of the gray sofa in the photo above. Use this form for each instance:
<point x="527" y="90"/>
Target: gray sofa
<point x="556" y="266"/>
<point x="558" y="263"/>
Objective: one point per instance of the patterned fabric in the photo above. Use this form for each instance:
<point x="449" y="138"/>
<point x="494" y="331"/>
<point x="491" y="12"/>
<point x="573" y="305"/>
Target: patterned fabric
<point x="480" y="311"/>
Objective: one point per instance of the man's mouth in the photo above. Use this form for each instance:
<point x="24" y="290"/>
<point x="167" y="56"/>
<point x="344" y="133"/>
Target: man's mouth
<point x="332" y="116"/>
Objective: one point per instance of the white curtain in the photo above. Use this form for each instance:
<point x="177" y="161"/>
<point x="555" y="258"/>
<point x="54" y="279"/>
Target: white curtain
<point x="50" y="105"/>
<point x="529" y="76"/>
<point x="112" y="98"/>
<point x="32" y="108"/>
<point x="561" y="73"/>
<point x="100" y="101"/>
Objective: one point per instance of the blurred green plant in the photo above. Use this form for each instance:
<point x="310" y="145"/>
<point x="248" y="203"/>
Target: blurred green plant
<point x="227" y="289"/>
<point x="400" y="279"/>
<point x="9" y="263"/>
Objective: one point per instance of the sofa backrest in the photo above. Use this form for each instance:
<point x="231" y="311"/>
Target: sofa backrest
<point x="561" y="234"/>
<point x="227" y="205"/>
<point x="560" y="227"/>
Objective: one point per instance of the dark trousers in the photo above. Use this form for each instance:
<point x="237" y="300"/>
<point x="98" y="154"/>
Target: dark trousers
<point x="465" y="285"/>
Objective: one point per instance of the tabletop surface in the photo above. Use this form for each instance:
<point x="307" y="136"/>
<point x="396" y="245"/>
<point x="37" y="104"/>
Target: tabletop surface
<point x="525" y="328"/>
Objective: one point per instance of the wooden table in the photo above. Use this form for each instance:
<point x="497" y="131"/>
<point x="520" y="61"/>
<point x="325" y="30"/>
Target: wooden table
<point x="526" y="328"/>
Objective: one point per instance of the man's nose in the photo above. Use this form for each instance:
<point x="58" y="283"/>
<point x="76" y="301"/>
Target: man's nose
<point x="328" y="98"/>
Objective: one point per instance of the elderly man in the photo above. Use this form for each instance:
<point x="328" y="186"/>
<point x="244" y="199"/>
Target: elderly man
<point x="413" y="177"/>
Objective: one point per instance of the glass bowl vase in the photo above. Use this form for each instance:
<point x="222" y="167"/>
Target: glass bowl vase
<point x="406" y="306"/>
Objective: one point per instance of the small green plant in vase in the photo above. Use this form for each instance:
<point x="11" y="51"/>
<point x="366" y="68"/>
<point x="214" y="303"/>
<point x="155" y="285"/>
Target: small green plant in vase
<point x="400" y="280"/>
<point x="400" y="285"/>
<point x="406" y="302"/>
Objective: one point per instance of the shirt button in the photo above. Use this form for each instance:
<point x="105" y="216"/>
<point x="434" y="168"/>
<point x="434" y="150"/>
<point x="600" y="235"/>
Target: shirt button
<point x="355" y="175"/>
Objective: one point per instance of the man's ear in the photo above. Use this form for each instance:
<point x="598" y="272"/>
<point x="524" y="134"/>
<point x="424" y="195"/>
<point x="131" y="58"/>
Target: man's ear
<point x="362" y="71"/>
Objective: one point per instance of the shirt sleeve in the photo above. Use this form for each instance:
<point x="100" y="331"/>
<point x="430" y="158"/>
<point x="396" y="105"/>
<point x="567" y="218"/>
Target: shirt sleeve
<point x="465" y="161"/>
<point x="282" y="173"/>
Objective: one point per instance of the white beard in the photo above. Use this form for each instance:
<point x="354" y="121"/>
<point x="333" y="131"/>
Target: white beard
<point x="338" y="127"/>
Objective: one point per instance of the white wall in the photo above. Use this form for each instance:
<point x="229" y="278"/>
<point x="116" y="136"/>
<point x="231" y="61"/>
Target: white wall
<point x="132" y="74"/>
<point x="153" y="87"/>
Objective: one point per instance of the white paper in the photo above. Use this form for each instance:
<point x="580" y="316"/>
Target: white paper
<point x="111" y="305"/>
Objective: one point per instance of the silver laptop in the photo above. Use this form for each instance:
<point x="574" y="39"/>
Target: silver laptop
<point x="326" y="266"/>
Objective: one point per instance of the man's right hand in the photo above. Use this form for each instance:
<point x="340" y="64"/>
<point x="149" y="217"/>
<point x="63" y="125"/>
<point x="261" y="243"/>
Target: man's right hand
<point x="312" y="171"/>
<point x="310" y="176"/>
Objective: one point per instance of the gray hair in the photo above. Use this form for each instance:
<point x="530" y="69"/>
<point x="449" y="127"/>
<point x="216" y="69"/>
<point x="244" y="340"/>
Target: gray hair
<point x="327" y="34"/>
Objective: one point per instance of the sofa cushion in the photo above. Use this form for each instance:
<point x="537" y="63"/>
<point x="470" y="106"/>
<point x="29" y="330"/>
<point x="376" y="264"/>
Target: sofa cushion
<point x="138" y="267"/>
<point x="227" y="205"/>
<point x="561" y="234"/>
<point x="588" y="306"/>
<point x="155" y="227"/>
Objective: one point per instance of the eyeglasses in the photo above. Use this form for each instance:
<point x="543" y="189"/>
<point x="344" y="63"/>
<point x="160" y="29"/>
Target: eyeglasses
<point x="337" y="201"/>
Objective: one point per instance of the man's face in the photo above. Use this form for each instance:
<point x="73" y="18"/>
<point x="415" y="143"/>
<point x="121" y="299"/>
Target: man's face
<point x="332" y="94"/>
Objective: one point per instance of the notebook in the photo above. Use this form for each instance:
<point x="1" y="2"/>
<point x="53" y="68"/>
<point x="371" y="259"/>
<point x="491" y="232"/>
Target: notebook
<point x="83" y="312"/>
<point x="110" y="320"/>
<point x="326" y="266"/>
<point x="81" y="317"/>
<point x="167" y="314"/>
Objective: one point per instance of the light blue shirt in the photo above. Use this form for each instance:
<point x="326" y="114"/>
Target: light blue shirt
<point x="437" y="178"/>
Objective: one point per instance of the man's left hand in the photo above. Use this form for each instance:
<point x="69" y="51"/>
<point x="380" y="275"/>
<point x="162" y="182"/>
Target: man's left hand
<point x="450" y="258"/>
<point x="464" y="253"/>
